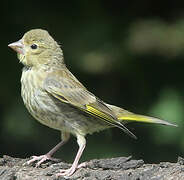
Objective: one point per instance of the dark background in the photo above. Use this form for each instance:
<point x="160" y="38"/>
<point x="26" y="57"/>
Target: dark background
<point x="130" y="54"/>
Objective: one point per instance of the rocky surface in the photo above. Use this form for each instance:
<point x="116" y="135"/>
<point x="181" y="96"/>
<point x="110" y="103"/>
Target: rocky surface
<point x="121" y="168"/>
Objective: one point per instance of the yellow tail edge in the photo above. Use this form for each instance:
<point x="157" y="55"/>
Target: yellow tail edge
<point x="145" y="119"/>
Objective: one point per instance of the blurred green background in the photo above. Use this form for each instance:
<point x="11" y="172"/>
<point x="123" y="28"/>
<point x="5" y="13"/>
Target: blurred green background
<point x="128" y="53"/>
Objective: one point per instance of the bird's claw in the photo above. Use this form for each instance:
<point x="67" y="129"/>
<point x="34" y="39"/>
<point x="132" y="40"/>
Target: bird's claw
<point x="68" y="172"/>
<point x="40" y="159"/>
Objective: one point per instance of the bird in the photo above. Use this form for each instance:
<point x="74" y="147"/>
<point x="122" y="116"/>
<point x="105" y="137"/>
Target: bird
<point x="57" y="99"/>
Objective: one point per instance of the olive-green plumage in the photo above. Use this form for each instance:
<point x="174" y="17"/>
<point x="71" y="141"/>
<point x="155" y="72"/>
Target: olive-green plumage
<point x="57" y="99"/>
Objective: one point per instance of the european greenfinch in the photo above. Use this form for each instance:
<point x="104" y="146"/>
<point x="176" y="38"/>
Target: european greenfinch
<point x="54" y="96"/>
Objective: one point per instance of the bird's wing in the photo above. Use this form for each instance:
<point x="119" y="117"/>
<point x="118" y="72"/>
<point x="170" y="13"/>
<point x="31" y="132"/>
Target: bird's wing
<point x="66" y="88"/>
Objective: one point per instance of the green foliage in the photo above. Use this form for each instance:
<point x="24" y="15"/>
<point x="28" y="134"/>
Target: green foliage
<point x="170" y="106"/>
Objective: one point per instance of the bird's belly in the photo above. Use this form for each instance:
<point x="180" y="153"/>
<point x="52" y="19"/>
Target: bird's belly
<point x="58" y="115"/>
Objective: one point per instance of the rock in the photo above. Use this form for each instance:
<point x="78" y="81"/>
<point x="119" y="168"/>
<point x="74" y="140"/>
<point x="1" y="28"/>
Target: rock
<point x="98" y="169"/>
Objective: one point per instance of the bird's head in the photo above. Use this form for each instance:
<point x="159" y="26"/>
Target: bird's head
<point x="37" y="48"/>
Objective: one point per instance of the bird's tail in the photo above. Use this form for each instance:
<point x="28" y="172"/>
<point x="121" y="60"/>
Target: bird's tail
<point x="125" y="116"/>
<point x="142" y="118"/>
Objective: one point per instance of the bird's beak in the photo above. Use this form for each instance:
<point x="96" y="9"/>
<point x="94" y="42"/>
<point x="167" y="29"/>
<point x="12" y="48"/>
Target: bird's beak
<point x="17" y="46"/>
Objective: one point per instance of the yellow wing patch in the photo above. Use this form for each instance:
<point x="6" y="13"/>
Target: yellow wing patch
<point x="108" y="119"/>
<point x="98" y="113"/>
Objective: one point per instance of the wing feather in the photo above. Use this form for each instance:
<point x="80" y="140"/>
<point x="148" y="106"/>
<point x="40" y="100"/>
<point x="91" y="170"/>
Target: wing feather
<point x="66" y="88"/>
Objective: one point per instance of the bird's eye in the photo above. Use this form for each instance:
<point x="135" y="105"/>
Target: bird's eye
<point x="34" y="46"/>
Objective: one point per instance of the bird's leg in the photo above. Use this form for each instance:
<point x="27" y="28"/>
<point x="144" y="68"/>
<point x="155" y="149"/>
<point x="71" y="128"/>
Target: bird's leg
<point x="68" y="172"/>
<point x="48" y="156"/>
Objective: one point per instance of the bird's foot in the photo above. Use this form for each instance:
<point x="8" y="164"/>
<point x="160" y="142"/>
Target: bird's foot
<point x="40" y="159"/>
<point x="68" y="172"/>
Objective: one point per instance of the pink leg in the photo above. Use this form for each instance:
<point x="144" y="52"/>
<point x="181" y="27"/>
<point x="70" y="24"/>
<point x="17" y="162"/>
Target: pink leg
<point x="68" y="172"/>
<point x="48" y="156"/>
